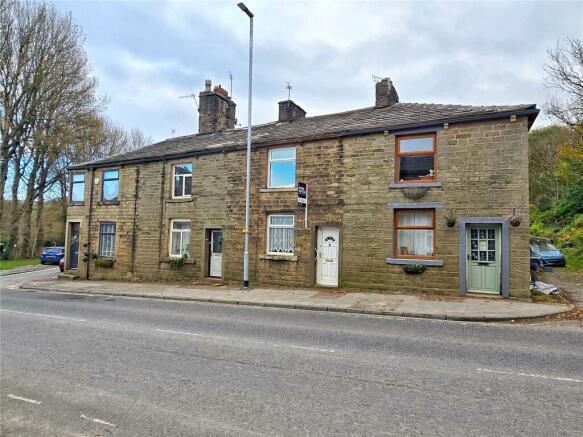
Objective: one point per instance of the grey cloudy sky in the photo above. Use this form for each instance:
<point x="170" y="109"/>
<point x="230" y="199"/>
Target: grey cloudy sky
<point x="147" y="54"/>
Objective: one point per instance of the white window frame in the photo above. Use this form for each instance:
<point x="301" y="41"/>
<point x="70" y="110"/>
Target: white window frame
<point x="73" y="183"/>
<point x="170" y="254"/>
<point x="292" y="226"/>
<point x="270" y="160"/>
<point x="112" y="256"/>
<point x="184" y="196"/>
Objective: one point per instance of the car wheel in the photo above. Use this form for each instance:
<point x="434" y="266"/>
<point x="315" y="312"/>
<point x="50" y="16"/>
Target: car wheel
<point x="42" y="262"/>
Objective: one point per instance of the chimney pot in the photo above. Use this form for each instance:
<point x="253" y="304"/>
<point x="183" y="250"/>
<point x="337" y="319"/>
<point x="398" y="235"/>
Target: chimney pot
<point x="207" y="85"/>
<point x="386" y="94"/>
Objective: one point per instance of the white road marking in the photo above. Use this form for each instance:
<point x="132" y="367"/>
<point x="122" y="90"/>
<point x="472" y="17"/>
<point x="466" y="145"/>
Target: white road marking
<point x="93" y="419"/>
<point x="532" y="375"/>
<point x="44" y="315"/>
<point x="180" y="332"/>
<point x="193" y="334"/>
<point x="20" y="398"/>
<point x="315" y="349"/>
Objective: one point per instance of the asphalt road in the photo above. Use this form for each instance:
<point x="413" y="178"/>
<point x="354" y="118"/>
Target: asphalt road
<point x="88" y="365"/>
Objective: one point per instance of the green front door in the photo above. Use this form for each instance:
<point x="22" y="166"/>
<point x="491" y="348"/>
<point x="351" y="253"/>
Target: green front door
<point x="483" y="258"/>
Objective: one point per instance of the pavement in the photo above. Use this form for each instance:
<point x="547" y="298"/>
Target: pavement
<point x="80" y="364"/>
<point x="405" y="305"/>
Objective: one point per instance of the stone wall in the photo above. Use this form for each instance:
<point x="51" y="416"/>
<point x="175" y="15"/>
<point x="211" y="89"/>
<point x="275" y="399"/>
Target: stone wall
<point x="482" y="168"/>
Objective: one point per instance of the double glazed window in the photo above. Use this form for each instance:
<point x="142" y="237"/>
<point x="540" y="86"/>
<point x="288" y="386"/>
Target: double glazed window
<point x="280" y="234"/>
<point x="180" y="238"/>
<point x="110" y="190"/>
<point x="182" y="180"/>
<point x="414" y="232"/>
<point x="415" y="161"/>
<point x="77" y="187"/>
<point x="107" y="240"/>
<point x="282" y="167"/>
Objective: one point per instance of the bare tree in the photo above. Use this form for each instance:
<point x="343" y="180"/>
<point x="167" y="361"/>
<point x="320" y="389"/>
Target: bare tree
<point x="565" y="75"/>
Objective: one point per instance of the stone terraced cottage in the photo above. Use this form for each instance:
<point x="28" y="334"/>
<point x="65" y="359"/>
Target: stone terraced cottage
<point x="391" y="185"/>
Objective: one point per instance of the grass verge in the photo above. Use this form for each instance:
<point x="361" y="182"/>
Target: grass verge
<point x="7" y="264"/>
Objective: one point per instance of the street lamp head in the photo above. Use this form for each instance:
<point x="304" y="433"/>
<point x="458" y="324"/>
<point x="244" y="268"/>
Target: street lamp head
<point x="245" y="9"/>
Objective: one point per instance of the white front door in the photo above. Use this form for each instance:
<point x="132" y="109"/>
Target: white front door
<point x="216" y="258"/>
<point x="327" y="260"/>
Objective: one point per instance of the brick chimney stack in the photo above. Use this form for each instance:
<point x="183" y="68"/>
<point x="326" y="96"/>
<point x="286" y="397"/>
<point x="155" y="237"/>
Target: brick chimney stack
<point x="216" y="110"/>
<point x="386" y="94"/>
<point x="289" y="111"/>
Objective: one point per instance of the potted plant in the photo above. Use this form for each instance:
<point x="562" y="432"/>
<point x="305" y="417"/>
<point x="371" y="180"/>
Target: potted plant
<point x="176" y="263"/>
<point x="514" y="219"/>
<point x="414" y="268"/>
<point x="104" y="262"/>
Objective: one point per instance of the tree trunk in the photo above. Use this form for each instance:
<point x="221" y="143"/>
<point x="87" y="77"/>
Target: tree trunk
<point x="16" y="210"/>
<point x="39" y="239"/>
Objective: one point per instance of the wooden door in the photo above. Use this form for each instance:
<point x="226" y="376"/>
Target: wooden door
<point x="483" y="263"/>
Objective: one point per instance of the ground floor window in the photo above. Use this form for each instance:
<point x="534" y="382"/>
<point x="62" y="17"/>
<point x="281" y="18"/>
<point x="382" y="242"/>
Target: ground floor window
<point x="107" y="240"/>
<point x="280" y="234"/>
<point x="414" y="233"/>
<point x="180" y="238"/>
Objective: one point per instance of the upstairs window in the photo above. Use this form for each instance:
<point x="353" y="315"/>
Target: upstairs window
<point x="282" y="168"/>
<point x="182" y="180"/>
<point x="110" y="189"/>
<point x="280" y="234"/>
<point x="415" y="161"/>
<point x="77" y="187"/>
<point x="180" y="238"/>
<point x="414" y="233"/>
<point x="107" y="240"/>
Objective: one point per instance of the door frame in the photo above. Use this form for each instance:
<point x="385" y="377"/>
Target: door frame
<point x="206" y="251"/>
<point x="505" y="249"/>
<point x="67" y="238"/>
<point x="210" y="245"/>
<point x="316" y="242"/>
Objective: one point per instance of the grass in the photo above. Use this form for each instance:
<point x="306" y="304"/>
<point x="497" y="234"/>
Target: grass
<point x="13" y="263"/>
<point x="574" y="261"/>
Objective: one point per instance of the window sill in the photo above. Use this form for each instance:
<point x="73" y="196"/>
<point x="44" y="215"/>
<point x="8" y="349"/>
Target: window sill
<point x="80" y="203"/>
<point x="179" y="200"/>
<point x="277" y="190"/>
<point x="105" y="202"/>
<point x="166" y="259"/>
<point x="423" y="262"/>
<point x="272" y="257"/>
<point x="415" y="184"/>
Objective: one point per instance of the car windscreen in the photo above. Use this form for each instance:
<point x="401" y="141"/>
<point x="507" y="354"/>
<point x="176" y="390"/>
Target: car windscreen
<point x="544" y="246"/>
<point x="54" y="250"/>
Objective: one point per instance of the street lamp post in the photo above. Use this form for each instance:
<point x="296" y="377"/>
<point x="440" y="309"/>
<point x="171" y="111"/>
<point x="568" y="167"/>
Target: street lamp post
<point x="248" y="175"/>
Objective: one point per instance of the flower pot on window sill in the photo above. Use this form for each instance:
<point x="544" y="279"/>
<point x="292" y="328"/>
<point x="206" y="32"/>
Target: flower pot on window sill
<point x="414" y="269"/>
<point x="104" y="262"/>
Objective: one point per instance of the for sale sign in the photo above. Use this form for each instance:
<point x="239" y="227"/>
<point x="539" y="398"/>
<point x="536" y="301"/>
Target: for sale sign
<point x="302" y="194"/>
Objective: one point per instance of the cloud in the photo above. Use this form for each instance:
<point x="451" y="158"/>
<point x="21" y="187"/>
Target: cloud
<point x="148" y="54"/>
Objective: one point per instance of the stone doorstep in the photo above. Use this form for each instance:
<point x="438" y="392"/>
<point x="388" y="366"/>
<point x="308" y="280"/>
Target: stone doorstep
<point x="323" y="306"/>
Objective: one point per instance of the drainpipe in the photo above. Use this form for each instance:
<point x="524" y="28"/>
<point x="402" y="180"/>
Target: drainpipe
<point x="89" y="224"/>
<point x="134" y="239"/>
<point x="162" y="203"/>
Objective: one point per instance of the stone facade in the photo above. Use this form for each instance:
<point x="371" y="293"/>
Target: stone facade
<point x="481" y="171"/>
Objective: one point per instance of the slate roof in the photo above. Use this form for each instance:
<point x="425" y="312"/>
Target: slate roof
<point x="360" y="121"/>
